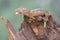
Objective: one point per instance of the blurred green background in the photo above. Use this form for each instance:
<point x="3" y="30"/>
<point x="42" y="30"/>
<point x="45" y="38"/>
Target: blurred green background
<point x="8" y="7"/>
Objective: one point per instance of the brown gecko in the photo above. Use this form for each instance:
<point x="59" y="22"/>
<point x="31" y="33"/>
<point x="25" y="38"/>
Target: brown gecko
<point x="32" y="13"/>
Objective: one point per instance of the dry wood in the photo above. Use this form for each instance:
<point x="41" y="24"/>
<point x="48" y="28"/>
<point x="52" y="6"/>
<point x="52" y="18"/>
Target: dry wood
<point x="34" y="30"/>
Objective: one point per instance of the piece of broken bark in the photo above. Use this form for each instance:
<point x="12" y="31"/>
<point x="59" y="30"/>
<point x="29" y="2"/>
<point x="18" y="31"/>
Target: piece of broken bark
<point x="34" y="30"/>
<point x="44" y="33"/>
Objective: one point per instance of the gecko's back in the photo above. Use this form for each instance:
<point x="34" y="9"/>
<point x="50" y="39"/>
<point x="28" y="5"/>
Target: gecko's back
<point x="38" y="12"/>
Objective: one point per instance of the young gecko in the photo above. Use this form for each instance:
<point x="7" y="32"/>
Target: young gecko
<point x="32" y="13"/>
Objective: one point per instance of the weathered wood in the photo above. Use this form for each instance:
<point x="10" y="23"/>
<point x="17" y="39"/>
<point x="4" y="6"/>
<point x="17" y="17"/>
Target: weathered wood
<point x="34" y="30"/>
<point x="44" y="33"/>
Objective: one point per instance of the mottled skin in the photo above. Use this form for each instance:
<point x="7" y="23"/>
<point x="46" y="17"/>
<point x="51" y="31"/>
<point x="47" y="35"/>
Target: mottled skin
<point x="33" y="13"/>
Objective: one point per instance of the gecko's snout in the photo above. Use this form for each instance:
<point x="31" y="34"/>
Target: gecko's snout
<point x="17" y="13"/>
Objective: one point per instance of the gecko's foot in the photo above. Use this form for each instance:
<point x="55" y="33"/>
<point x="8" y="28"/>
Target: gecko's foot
<point x="45" y="19"/>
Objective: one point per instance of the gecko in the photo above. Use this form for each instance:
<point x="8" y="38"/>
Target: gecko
<point x="32" y="13"/>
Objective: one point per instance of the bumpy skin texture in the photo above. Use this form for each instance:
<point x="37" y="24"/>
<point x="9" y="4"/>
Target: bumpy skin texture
<point x="33" y="13"/>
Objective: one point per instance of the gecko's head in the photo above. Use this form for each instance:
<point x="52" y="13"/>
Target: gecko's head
<point x="20" y="11"/>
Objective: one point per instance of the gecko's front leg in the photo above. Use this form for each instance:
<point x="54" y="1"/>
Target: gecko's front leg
<point x="45" y="20"/>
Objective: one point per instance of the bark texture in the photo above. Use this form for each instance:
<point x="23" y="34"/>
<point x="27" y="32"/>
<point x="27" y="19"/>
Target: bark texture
<point x="34" y="30"/>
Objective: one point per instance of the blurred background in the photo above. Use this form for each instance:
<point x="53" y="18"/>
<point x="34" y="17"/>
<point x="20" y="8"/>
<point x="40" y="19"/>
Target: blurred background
<point x="8" y="7"/>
